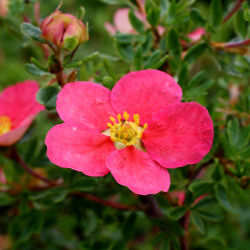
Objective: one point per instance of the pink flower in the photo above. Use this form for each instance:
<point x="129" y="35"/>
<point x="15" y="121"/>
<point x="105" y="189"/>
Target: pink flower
<point x="156" y="131"/>
<point x="64" y="30"/>
<point x="18" y="108"/>
<point x="122" y="23"/>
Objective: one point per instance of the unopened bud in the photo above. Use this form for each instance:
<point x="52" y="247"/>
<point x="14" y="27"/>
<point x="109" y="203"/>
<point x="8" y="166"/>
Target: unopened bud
<point x="64" y="30"/>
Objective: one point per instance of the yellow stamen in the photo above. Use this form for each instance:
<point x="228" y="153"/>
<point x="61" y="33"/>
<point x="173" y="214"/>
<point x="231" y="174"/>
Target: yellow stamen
<point x="5" y="124"/>
<point x="126" y="132"/>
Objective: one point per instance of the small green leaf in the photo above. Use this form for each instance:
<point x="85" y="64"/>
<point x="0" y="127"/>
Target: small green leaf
<point x="175" y="213"/>
<point x="246" y="9"/>
<point x="221" y="196"/>
<point x="173" y="44"/>
<point x="240" y="24"/>
<point x="84" y="184"/>
<point x="198" y="223"/>
<point x="125" y="51"/>
<point x="216" y="12"/>
<point x="153" y="12"/>
<point x="197" y="17"/>
<point x="35" y="71"/>
<point x="194" y="52"/>
<point x="199" y="187"/>
<point x="152" y="59"/>
<point x="47" y="96"/>
<point x="209" y="216"/>
<point x="32" y="31"/>
<point x="183" y="74"/>
<point x="205" y="203"/>
<point x="5" y="199"/>
<point x="137" y="24"/>
<point x="138" y="58"/>
<point x="128" y="228"/>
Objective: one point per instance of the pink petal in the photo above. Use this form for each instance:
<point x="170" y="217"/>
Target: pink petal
<point x="196" y="34"/>
<point x="85" y="103"/>
<point x="145" y="92"/>
<point x="136" y="170"/>
<point x="110" y="28"/>
<point x="181" y="134"/>
<point x="121" y="21"/>
<point x="16" y="134"/>
<point x="79" y="149"/>
<point x="18" y="102"/>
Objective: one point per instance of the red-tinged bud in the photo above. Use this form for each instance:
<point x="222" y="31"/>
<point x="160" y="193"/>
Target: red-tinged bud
<point x="64" y="30"/>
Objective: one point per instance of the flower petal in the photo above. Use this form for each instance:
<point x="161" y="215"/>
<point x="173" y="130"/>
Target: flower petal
<point x="181" y="134"/>
<point x="79" y="149"/>
<point x="137" y="171"/>
<point x="18" y="102"/>
<point x="85" y="103"/>
<point x="145" y="92"/>
<point x="16" y="134"/>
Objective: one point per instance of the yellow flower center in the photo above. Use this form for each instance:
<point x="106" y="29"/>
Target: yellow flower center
<point x="5" y="124"/>
<point x="125" y="131"/>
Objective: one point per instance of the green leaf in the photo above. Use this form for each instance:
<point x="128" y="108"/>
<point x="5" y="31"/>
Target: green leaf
<point x="197" y="17"/>
<point x="199" y="187"/>
<point x="25" y="225"/>
<point x="35" y="71"/>
<point x="126" y="52"/>
<point x="47" y="96"/>
<point x="246" y="10"/>
<point x="128" y="228"/>
<point x="138" y="58"/>
<point x="194" y="52"/>
<point x="137" y="24"/>
<point x="175" y="213"/>
<point x="183" y="74"/>
<point x="240" y="24"/>
<point x="153" y="12"/>
<point x="173" y="44"/>
<point x="205" y="203"/>
<point x="198" y="222"/>
<point x="209" y="215"/>
<point x="114" y="1"/>
<point x="32" y="31"/>
<point x="221" y="196"/>
<point x="152" y="59"/>
<point x="84" y="184"/>
<point x="5" y="199"/>
<point x="216" y="12"/>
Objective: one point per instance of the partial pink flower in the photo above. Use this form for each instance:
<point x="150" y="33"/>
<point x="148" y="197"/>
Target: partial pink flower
<point x="4" y="7"/>
<point x="122" y="23"/>
<point x="196" y="34"/>
<point x="64" y="30"/>
<point x="136" y="131"/>
<point x="18" y="108"/>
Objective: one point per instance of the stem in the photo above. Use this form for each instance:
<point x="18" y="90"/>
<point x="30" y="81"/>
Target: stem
<point x="21" y="162"/>
<point x="236" y="7"/>
<point x="108" y="203"/>
<point x="238" y="44"/>
<point x="140" y="7"/>
<point x="152" y="208"/>
<point x="185" y="238"/>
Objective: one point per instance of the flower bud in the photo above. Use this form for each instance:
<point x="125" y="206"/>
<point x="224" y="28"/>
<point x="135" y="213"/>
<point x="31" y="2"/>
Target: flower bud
<point x="64" y="30"/>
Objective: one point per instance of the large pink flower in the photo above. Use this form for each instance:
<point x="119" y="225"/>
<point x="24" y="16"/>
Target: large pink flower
<point x="156" y="130"/>
<point x="18" y="108"/>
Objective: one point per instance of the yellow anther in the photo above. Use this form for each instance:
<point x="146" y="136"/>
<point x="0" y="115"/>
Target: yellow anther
<point x="112" y="119"/>
<point x="137" y="119"/>
<point x="5" y="124"/>
<point x="126" y="132"/>
<point x="109" y="125"/>
<point x="126" y="115"/>
<point x="119" y="116"/>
